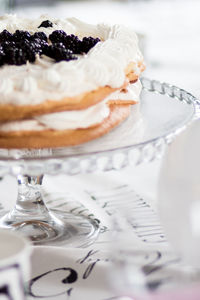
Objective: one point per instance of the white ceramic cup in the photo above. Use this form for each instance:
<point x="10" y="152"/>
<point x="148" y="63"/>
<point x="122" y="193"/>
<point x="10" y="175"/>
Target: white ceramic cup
<point x="15" y="253"/>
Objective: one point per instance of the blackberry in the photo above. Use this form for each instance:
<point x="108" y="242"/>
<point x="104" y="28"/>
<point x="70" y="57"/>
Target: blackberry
<point x="5" y="35"/>
<point x="2" y="59"/>
<point x="2" y="56"/>
<point x="40" y="40"/>
<point x="1" y="50"/>
<point x="37" y="45"/>
<point x="21" y="35"/>
<point x="30" y="49"/>
<point x="44" y="45"/>
<point x="73" y="43"/>
<point x="58" y="52"/>
<point x="15" y="56"/>
<point x="39" y="35"/>
<point x="88" y="43"/>
<point x="7" y="45"/>
<point x="45" y="48"/>
<point x="46" y="24"/>
<point x="57" y="36"/>
<point x="30" y="54"/>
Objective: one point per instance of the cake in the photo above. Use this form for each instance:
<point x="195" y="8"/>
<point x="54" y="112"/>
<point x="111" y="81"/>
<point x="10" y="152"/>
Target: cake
<point x="64" y="82"/>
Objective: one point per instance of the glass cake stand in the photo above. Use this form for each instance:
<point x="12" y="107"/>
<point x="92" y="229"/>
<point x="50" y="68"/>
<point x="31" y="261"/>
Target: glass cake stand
<point x="163" y="112"/>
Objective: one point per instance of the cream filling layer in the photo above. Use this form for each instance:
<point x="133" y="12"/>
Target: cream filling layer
<point x="73" y="119"/>
<point x="44" y="79"/>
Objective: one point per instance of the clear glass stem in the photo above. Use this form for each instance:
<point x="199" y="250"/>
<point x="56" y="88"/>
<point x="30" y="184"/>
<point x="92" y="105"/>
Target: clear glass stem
<point x="29" y="199"/>
<point x="30" y="214"/>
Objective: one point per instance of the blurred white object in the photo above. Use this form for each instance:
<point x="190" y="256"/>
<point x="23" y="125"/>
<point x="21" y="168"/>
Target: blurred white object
<point x="14" y="265"/>
<point x="5" y="6"/>
<point x="179" y="194"/>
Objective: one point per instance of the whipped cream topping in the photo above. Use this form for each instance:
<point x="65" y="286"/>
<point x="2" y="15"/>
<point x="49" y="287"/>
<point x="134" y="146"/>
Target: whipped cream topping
<point x="44" y="79"/>
<point x="73" y="119"/>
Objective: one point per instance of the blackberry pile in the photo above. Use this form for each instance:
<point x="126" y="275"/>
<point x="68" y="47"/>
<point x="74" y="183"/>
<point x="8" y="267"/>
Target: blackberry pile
<point x="20" y="47"/>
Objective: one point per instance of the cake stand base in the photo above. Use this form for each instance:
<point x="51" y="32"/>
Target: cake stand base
<point x="59" y="229"/>
<point x="43" y="226"/>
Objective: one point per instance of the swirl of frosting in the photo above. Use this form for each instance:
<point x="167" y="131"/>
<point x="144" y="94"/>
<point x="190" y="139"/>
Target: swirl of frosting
<point x="6" y="86"/>
<point x="96" y="71"/>
<point x="29" y="85"/>
<point x="114" y="69"/>
<point x="52" y="77"/>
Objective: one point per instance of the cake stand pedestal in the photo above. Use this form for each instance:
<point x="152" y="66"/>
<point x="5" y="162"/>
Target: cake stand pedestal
<point x="164" y="111"/>
<point x="31" y="217"/>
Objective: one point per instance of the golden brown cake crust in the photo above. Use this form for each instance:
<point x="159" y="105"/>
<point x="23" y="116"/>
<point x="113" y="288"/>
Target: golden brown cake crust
<point x="61" y="138"/>
<point x="9" y="112"/>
